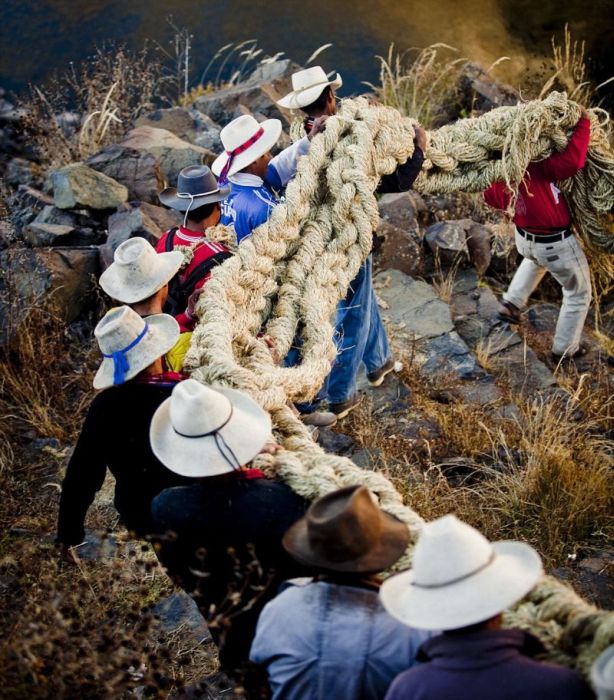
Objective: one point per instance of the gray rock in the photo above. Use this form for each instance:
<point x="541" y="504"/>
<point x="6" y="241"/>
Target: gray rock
<point x="413" y="309"/>
<point x="367" y="458"/>
<point x="543" y="317"/>
<point x="448" y="355"/>
<point x="37" y="234"/>
<point x="478" y="244"/>
<point x="525" y="372"/>
<point x="20" y="171"/>
<point x="402" y="209"/>
<point x="259" y="94"/>
<point x="63" y="277"/>
<point x="172" y="153"/>
<point x="138" y="171"/>
<point x="52" y="215"/>
<point x="400" y="249"/>
<point x="389" y="398"/>
<point x="334" y="442"/>
<point x="448" y="241"/>
<point x="78" y="185"/>
<point x="478" y="91"/>
<point x="187" y="123"/>
<point x="179" y="610"/>
<point x="503" y="248"/>
<point x="25" y="205"/>
<point x="137" y="219"/>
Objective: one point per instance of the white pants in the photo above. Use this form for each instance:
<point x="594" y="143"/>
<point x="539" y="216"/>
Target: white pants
<point x="566" y="262"/>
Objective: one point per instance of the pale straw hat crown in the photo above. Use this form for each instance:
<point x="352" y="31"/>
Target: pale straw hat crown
<point x="459" y="578"/>
<point x="204" y="431"/>
<point x="137" y="271"/>
<point x="307" y="86"/>
<point x="235" y="136"/>
<point x="602" y="674"/>
<point x="130" y="344"/>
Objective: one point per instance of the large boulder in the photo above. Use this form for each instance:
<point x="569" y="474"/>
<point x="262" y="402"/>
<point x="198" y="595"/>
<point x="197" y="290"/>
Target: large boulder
<point x="479" y="92"/>
<point x="399" y="249"/>
<point x="187" y="123"/>
<point x="402" y="209"/>
<point x="63" y="277"/>
<point x="478" y="245"/>
<point x="448" y="241"/>
<point x="172" y="153"/>
<point x="78" y="185"/>
<point x="138" y="171"/>
<point x="136" y="219"/>
<point x="267" y="84"/>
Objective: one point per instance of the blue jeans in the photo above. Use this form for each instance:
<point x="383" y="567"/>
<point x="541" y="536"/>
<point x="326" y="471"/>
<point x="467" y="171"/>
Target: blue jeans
<point x="362" y="336"/>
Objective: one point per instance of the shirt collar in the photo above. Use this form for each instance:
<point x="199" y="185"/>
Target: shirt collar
<point x="186" y="234"/>
<point x="246" y="180"/>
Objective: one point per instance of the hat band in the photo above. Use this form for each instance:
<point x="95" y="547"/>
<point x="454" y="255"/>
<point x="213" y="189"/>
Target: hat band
<point x="237" y="151"/>
<point x="188" y="195"/>
<point x="218" y="439"/>
<point x="486" y="564"/>
<point x="120" y="363"/>
<point x="308" y="87"/>
<point x="210" y="432"/>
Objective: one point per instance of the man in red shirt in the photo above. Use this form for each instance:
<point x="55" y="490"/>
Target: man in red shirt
<point x="197" y="196"/>
<point x="546" y="242"/>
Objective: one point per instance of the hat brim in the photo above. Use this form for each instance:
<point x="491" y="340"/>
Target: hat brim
<point x="392" y="543"/>
<point x="162" y="335"/>
<point x="130" y="291"/>
<point x="246" y="433"/>
<point x="512" y="574"/>
<point x="303" y="98"/>
<point x="169" y="198"/>
<point x="272" y="132"/>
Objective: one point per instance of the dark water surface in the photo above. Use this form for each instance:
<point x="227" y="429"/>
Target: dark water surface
<point x="38" y="36"/>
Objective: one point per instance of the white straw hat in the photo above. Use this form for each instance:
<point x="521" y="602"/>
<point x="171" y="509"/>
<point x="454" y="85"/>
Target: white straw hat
<point x="204" y="431"/>
<point x="244" y="141"/>
<point x="137" y="271"/>
<point x="602" y="674"/>
<point x="130" y="343"/>
<point x="307" y="87"/>
<point x="459" y="578"/>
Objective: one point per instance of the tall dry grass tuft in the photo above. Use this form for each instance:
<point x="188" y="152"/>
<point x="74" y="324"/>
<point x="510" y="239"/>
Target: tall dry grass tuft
<point x="91" y="105"/>
<point x="420" y="83"/>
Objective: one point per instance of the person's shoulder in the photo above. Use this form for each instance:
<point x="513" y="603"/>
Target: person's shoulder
<point x="404" y="683"/>
<point x="558" y="681"/>
<point x="161" y="242"/>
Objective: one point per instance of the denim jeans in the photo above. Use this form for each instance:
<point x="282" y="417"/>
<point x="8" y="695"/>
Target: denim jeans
<point x="362" y="336"/>
<point x="566" y="262"/>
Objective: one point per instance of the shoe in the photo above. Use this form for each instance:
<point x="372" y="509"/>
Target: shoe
<point x="508" y="313"/>
<point x="319" y="419"/>
<point x="344" y="407"/>
<point x="376" y="378"/>
<point x="580" y="352"/>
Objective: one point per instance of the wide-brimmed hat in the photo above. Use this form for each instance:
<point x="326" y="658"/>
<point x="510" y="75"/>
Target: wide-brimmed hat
<point x="204" y="431"/>
<point x="346" y="531"/>
<point x="459" y="578"/>
<point x="196" y="186"/>
<point x="307" y="86"/>
<point x="244" y="141"/>
<point x="129" y="343"/>
<point x="137" y="271"/>
<point x="602" y="674"/>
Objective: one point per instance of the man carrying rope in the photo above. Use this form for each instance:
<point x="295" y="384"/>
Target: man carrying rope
<point x="358" y="323"/>
<point x="547" y="244"/>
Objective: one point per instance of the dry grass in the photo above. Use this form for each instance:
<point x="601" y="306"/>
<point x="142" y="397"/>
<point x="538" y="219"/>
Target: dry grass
<point x="106" y="93"/>
<point x="420" y="83"/>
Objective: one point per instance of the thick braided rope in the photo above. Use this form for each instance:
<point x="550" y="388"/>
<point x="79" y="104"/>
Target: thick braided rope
<point x="292" y="271"/>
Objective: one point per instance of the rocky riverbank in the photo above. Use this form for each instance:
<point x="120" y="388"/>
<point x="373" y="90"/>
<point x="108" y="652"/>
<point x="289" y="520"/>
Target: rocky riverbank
<point x="472" y="421"/>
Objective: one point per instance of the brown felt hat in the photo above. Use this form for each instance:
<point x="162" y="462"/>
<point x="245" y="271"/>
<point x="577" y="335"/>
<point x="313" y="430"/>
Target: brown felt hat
<point x="346" y="531"/>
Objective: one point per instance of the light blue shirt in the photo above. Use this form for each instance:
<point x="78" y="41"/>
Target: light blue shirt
<point x="324" y="641"/>
<point x="252" y="199"/>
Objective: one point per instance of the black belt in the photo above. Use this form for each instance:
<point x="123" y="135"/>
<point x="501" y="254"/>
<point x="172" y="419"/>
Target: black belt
<point x="545" y="237"/>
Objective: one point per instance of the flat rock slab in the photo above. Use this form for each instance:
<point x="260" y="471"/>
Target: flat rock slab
<point x="526" y="373"/>
<point x="389" y="398"/>
<point x="411" y="306"/>
<point x="448" y="354"/>
<point x="78" y="185"/>
<point x="180" y="610"/>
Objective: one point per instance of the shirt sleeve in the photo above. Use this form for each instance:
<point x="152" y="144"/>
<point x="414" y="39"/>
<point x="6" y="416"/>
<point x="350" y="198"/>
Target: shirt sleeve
<point x="498" y="196"/>
<point x="84" y="476"/>
<point x="563" y="165"/>
<point x="402" y="179"/>
<point x="282" y="168"/>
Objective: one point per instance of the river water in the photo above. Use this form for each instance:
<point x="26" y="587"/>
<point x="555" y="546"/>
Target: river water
<point x="39" y="36"/>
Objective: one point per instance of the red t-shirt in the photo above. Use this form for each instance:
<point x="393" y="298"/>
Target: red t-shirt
<point x="541" y="206"/>
<point x="203" y="250"/>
